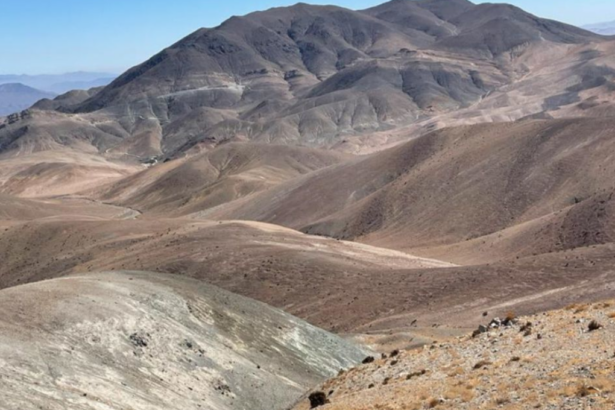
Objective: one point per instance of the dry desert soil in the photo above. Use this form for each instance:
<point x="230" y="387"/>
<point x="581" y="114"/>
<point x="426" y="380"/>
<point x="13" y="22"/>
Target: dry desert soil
<point x="263" y="204"/>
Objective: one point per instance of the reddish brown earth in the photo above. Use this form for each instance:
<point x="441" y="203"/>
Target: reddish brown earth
<point x="340" y="286"/>
<point x="468" y="195"/>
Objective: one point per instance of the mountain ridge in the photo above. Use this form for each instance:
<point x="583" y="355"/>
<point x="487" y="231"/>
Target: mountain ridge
<point x="605" y="28"/>
<point x="60" y="83"/>
<point x="15" y="97"/>
<point x="328" y="77"/>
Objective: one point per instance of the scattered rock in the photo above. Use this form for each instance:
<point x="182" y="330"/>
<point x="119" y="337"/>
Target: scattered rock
<point x="187" y="344"/>
<point x="318" y="399"/>
<point x="510" y="319"/>
<point x="481" y="329"/>
<point x="525" y="327"/>
<point x="416" y="374"/>
<point x="482" y="364"/>
<point x="223" y="388"/>
<point x="138" y="340"/>
<point x="496" y="323"/>
<point x="593" y="326"/>
<point x="368" y="359"/>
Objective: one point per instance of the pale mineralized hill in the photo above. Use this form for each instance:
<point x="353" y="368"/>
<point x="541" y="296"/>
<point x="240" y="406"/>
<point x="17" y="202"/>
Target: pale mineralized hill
<point x="148" y="341"/>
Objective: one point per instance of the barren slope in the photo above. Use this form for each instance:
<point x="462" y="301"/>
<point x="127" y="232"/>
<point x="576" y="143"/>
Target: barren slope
<point x="17" y="210"/>
<point x="59" y="172"/>
<point x="215" y="177"/>
<point x="276" y="265"/>
<point x="340" y="286"/>
<point x="148" y="341"/>
<point x="549" y="361"/>
<point x="512" y="180"/>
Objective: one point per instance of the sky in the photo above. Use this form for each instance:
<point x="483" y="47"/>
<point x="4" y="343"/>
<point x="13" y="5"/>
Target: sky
<point x="58" y="36"/>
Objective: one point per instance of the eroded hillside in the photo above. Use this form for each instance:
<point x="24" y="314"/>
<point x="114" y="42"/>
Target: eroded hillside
<point x="149" y="341"/>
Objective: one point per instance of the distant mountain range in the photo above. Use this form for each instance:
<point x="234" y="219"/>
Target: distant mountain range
<point x="606" y="28"/>
<point x="60" y="83"/>
<point x="16" y="97"/>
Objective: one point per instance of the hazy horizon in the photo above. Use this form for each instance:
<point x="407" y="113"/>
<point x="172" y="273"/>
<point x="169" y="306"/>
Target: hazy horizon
<point x="81" y="36"/>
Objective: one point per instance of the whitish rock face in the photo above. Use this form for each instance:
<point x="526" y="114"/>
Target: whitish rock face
<point x="149" y="341"/>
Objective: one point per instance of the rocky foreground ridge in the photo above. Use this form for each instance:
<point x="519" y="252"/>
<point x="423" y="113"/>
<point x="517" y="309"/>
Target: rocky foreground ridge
<point x="556" y="360"/>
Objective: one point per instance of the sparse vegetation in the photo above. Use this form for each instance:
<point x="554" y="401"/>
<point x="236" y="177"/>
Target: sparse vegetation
<point x="509" y="319"/>
<point x="593" y="326"/>
<point x="416" y="374"/>
<point x="512" y="373"/>
<point x="584" y="391"/>
<point x="482" y="364"/>
<point x="500" y="401"/>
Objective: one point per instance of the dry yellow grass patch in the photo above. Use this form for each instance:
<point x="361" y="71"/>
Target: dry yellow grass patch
<point x="529" y="384"/>
<point x="512" y="406"/>
<point x="533" y="397"/>
<point x="605" y="305"/>
<point x="457" y="371"/>
<point x="604" y="383"/>
<point x="459" y="391"/>
<point x="577" y="306"/>
<point x="502" y="400"/>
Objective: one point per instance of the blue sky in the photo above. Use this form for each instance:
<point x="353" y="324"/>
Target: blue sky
<point x="57" y="36"/>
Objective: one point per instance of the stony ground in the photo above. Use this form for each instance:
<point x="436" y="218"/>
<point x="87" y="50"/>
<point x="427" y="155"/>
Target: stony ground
<point x="548" y="361"/>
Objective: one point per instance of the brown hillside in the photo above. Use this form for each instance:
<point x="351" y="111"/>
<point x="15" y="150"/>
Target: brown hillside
<point x="213" y="178"/>
<point x="546" y="184"/>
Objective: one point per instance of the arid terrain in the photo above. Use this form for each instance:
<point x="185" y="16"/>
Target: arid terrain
<point x="149" y="341"/>
<point x="559" y="360"/>
<point x="395" y="176"/>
